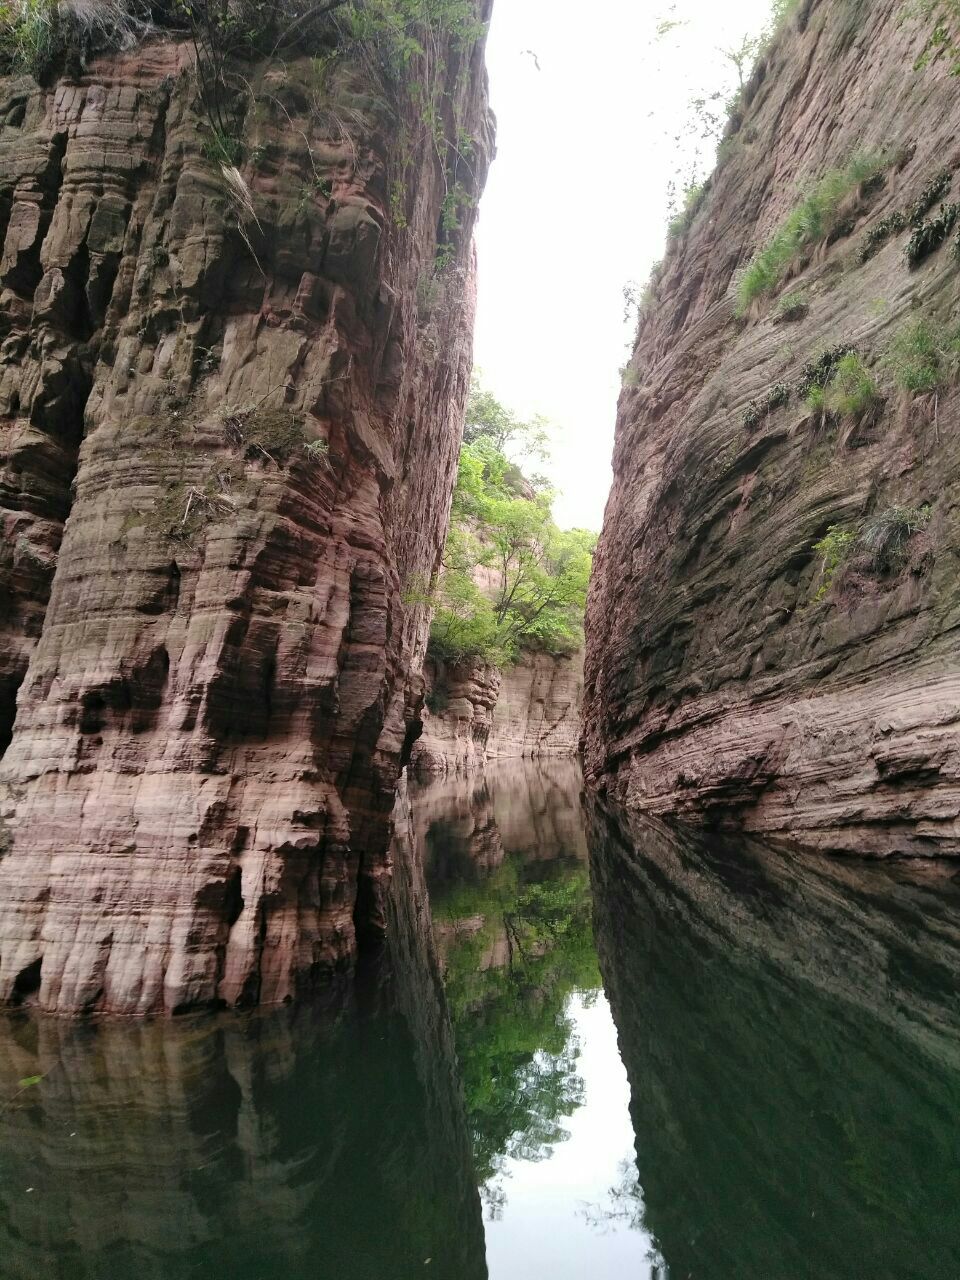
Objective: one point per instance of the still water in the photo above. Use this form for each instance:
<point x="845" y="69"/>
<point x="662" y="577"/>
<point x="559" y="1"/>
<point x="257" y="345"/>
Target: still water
<point x="595" y="1048"/>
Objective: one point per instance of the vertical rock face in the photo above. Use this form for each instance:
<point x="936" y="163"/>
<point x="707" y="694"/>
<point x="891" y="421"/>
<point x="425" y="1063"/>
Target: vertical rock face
<point x="227" y="447"/>
<point x="726" y="678"/>
<point x="457" y="717"/>
<point x="538" y="711"/>
<point x="475" y="713"/>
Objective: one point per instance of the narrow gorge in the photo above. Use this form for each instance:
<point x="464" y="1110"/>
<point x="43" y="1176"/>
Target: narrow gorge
<point x="408" y="866"/>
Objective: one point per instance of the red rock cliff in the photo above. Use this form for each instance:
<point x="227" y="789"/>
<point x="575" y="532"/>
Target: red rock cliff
<point x="726" y="679"/>
<point x="228" y="439"/>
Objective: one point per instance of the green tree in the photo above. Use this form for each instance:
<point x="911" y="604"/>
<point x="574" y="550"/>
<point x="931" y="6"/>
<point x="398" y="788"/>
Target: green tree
<point x="511" y="579"/>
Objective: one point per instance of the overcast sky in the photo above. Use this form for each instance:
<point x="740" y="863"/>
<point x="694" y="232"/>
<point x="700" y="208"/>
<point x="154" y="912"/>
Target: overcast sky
<point x="576" y="204"/>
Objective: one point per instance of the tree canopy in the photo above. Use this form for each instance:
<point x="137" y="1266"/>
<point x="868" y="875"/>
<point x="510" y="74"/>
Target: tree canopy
<point x="511" y="579"/>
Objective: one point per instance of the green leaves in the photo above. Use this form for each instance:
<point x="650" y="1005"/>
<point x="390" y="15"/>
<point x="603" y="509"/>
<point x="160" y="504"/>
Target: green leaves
<point x="813" y="219"/>
<point x="511" y="579"/>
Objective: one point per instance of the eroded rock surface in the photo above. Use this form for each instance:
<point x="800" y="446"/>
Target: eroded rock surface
<point x="538" y="711"/>
<point x="724" y="681"/>
<point x="476" y="712"/>
<point x="227" y="447"/>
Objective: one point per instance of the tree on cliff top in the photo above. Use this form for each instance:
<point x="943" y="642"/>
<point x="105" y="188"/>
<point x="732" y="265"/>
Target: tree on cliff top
<point x="511" y="579"/>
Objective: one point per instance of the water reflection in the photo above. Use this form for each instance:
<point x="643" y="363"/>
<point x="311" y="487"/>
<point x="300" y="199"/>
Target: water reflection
<point x="506" y="863"/>
<point x="546" y="1093"/>
<point x="790" y="1031"/>
<point x="282" y="1146"/>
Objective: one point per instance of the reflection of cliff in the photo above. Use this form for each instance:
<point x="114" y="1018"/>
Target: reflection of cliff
<point x="510" y="899"/>
<point x="279" y="1147"/>
<point x="530" y="810"/>
<point x="792" y="1037"/>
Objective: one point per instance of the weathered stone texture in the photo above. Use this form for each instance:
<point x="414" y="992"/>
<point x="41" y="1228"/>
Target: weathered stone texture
<point x="538" y="711"/>
<point x="476" y="713"/>
<point x="216" y="701"/>
<point x="457" y="717"/>
<point x="721" y="683"/>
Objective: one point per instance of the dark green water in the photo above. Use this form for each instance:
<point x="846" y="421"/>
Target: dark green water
<point x="595" y="1048"/>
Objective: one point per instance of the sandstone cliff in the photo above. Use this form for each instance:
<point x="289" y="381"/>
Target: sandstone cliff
<point x="475" y="712"/>
<point x="230" y="422"/>
<point x="727" y="678"/>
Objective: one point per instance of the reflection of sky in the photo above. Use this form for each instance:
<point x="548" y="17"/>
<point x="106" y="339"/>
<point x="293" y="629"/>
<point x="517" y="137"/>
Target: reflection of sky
<point x="552" y="1223"/>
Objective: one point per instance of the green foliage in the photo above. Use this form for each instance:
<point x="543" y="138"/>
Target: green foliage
<point x="833" y="549"/>
<point x="813" y="220"/>
<point x="221" y="148"/>
<point x="884" y="536"/>
<point x="488" y="420"/>
<point x="928" y="236"/>
<point x="757" y="410"/>
<point x="694" y="195"/>
<point x="817" y="401"/>
<point x="31" y="35"/>
<point x="878" y="547"/>
<point x="513" y="1037"/>
<point x="851" y="391"/>
<point x="792" y="306"/>
<point x="914" y="215"/>
<point x="818" y="371"/>
<point x="944" y="38"/>
<point x="536" y="574"/>
<point x="924" y="356"/>
<point x="938" y="186"/>
<point x="879" y="234"/>
<point x="317" y="451"/>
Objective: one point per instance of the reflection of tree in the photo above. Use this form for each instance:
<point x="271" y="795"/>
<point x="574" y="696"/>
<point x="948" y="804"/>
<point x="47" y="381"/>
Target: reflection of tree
<point x="530" y="946"/>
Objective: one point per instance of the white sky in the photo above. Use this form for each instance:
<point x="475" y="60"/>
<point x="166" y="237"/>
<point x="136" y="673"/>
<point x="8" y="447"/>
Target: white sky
<point x="546" y="1229"/>
<point x="576" y="204"/>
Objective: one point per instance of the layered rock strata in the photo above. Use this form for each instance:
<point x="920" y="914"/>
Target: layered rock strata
<point x="162" y="1150"/>
<point x="727" y="679"/>
<point x="475" y="712"/>
<point x="231" y="409"/>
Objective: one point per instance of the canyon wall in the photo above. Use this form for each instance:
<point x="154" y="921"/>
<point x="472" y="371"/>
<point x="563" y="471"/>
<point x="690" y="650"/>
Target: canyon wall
<point x="728" y="679"/>
<point x="230" y="411"/>
<point x="475" y="712"/>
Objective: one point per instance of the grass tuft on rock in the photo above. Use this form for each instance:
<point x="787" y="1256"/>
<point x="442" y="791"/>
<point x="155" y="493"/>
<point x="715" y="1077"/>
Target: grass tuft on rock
<point x="815" y="218"/>
<point x="924" y="356"/>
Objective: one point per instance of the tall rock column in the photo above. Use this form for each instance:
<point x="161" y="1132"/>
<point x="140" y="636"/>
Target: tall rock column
<point x="231" y="408"/>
